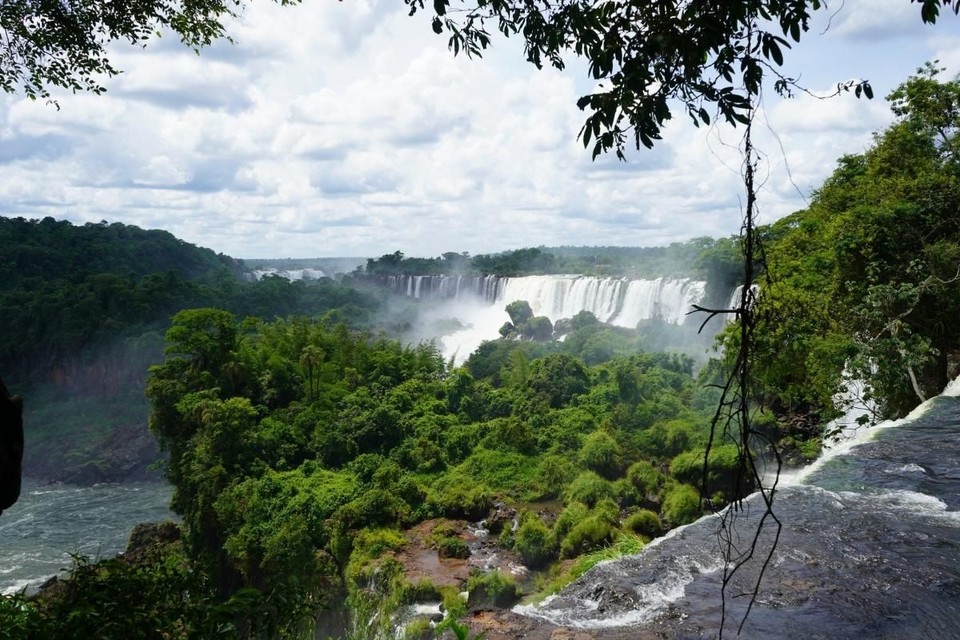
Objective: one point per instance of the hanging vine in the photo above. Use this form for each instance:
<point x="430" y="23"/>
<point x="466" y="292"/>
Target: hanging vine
<point x="733" y="419"/>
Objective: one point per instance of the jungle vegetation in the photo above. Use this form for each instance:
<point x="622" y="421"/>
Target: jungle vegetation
<point x="85" y="310"/>
<point x="867" y="278"/>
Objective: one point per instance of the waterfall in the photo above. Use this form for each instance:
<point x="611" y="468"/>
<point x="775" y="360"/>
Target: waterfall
<point x="619" y="301"/>
<point x="289" y="274"/>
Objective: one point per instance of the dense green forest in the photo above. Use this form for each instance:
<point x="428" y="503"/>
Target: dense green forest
<point x="868" y="276"/>
<point x="715" y="260"/>
<point x="304" y="451"/>
<point x="85" y="309"/>
<point x="300" y="450"/>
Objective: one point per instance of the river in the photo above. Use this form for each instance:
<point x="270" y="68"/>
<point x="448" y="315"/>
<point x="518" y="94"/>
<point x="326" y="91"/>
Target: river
<point x="49" y="523"/>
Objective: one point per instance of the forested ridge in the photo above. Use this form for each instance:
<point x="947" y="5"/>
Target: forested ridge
<point x="85" y="309"/>
<point x="702" y="258"/>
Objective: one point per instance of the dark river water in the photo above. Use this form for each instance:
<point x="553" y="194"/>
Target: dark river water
<point x="869" y="548"/>
<point x="49" y="523"/>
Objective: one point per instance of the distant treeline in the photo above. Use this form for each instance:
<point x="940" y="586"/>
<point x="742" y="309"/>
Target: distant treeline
<point x="66" y="289"/>
<point x="705" y="258"/>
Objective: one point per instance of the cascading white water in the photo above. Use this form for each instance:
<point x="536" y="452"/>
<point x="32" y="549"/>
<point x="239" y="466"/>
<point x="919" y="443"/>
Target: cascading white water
<point x="479" y="302"/>
<point x="618" y="301"/>
<point x="289" y="274"/>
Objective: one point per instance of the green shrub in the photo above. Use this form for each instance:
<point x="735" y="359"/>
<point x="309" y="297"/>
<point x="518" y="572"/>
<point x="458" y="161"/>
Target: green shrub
<point x="503" y="470"/>
<point x="602" y="454"/>
<point x="554" y="473"/>
<point x="593" y="532"/>
<point x="423" y="590"/>
<point x="626" y="493"/>
<point x="681" y="505"/>
<point x="645" y="477"/>
<point x="374" y="507"/>
<point x="418" y="629"/>
<point x="453" y="548"/>
<point x="645" y="523"/>
<point x="368" y="546"/>
<point x="608" y="510"/>
<point x="372" y="543"/>
<point x="453" y="602"/>
<point x="533" y="542"/>
<point x="723" y="469"/>
<point x="568" y="518"/>
<point x="457" y="496"/>
<point x="494" y="589"/>
<point x="589" y="488"/>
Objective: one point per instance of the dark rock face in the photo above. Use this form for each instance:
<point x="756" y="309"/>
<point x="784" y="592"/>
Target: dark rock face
<point x="500" y="516"/>
<point x="147" y="535"/>
<point x="11" y="447"/>
<point x="125" y="455"/>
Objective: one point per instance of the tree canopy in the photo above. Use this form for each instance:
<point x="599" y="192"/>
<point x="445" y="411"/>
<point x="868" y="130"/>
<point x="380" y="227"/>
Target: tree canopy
<point x="49" y="43"/>
<point x="867" y="276"/>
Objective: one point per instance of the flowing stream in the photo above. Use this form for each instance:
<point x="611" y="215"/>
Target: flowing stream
<point x="870" y="548"/>
<point x="49" y="523"/>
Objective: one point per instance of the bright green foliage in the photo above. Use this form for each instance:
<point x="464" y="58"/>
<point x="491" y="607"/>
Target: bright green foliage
<point x="538" y="328"/>
<point x="645" y="523"/>
<point x="445" y="537"/>
<point x="156" y="597"/>
<point x="298" y="449"/>
<point x="866" y="276"/>
<point x="554" y="473"/>
<point x="523" y="324"/>
<point x="681" y="504"/>
<point x="645" y="478"/>
<point x="493" y="589"/>
<point x="593" y="532"/>
<point x="568" y="518"/>
<point x="558" y="378"/>
<point x="589" y="488"/>
<point x="533" y="541"/>
<point x="723" y="467"/>
<point x="519" y="312"/>
<point x="602" y="454"/>
<point x="457" y="496"/>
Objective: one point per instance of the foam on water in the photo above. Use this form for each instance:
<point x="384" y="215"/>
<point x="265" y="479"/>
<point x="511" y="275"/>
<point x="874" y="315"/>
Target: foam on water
<point x="859" y="437"/>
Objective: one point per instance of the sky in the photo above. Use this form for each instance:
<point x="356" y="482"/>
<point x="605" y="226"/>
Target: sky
<point x="349" y="129"/>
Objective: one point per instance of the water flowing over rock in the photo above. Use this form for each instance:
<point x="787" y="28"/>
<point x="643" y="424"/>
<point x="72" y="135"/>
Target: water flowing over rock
<point x="618" y="301"/>
<point x="289" y="274"/>
<point x="870" y="548"/>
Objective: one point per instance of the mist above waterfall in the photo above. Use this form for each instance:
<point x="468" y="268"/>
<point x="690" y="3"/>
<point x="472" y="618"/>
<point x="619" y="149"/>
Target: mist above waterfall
<point x="473" y="308"/>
